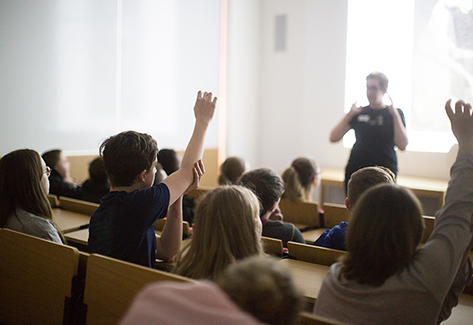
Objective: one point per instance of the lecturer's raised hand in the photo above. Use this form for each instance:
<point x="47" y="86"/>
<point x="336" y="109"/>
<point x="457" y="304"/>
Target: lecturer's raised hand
<point x="462" y="124"/>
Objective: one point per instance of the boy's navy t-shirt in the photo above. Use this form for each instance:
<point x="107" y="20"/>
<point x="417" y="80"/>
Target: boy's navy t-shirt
<point x="123" y="225"/>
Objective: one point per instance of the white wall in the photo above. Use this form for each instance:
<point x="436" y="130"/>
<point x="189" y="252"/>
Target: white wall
<point x="300" y="91"/>
<point x="75" y="72"/>
<point x="243" y="79"/>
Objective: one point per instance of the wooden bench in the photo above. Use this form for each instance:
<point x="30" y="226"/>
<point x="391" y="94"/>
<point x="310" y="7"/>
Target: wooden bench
<point x="314" y="254"/>
<point x="79" y="206"/>
<point x="333" y="215"/>
<point x="159" y="226"/>
<point x="302" y="214"/>
<point x="430" y="192"/>
<point x="111" y="285"/>
<point x="272" y="246"/>
<point x="53" y="201"/>
<point x="36" y="280"/>
<point x="197" y="193"/>
<point x="311" y="319"/>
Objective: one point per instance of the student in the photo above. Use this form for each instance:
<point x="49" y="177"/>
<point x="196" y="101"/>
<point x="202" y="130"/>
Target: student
<point x="359" y="182"/>
<point x="24" y="186"/>
<point x="122" y="226"/>
<point x="299" y="179"/>
<point x="61" y="182"/>
<point x="268" y="187"/>
<point x="384" y="278"/>
<point x="255" y="290"/>
<point x="97" y="186"/>
<point x="169" y="160"/>
<point x="231" y="171"/>
<point x="160" y="174"/>
<point x="226" y="229"/>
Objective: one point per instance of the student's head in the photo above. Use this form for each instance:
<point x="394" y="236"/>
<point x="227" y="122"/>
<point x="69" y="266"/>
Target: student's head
<point x="127" y="155"/>
<point x="383" y="234"/>
<point x="267" y="185"/>
<point x="376" y="86"/>
<point x="231" y="171"/>
<point x="169" y="160"/>
<point x="56" y="160"/>
<point x="226" y="228"/>
<point x="160" y="174"/>
<point x="262" y="287"/>
<point x="23" y="183"/>
<point x="97" y="171"/>
<point x="363" y="179"/>
<point x="299" y="178"/>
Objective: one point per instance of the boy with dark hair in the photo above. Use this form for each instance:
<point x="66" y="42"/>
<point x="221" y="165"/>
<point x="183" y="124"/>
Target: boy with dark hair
<point x="123" y="225"/>
<point x="359" y="182"/>
<point x="269" y="187"/>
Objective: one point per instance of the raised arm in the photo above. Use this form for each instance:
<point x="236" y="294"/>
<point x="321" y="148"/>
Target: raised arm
<point x="344" y="125"/>
<point x="169" y="243"/>
<point x="179" y="181"/>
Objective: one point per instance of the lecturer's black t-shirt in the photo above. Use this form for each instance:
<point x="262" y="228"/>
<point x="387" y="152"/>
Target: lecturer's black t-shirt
<point x="374" y="146"/>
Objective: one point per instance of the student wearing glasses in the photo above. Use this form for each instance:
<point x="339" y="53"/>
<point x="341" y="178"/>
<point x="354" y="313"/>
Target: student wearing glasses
<point x="24" y="186"/>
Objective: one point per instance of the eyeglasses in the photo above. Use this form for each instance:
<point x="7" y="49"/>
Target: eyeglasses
<point x="47" y="171"/>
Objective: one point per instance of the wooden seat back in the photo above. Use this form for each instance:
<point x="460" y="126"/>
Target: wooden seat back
<point x="198" y="192"/>
<point x="311" y="319"/>
<point x="159" y="226"/>
<point x="272" y="246"/>
<point x="334" y="214"/>
<point x="429" y="227"/>
<point x="80" y="206"/>
<point x="314" y="254"/>
<point x="111" y="285"/>
<point x="303" y="213"/>
<point x="53" y="200"/>
<point x="36" y="279"/>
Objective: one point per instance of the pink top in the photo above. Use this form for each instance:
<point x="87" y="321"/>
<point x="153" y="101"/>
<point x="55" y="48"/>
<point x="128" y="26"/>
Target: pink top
<point x="199" y="302"/>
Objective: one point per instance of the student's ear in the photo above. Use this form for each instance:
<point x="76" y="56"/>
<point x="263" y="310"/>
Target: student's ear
<point x="347" y="204"/>
<point x="142" y="176"/>
<point x="314" y="181"/>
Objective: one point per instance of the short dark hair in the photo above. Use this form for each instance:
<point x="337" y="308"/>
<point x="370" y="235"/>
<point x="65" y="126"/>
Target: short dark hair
<point x="266" y="184"/>
<point x="51" y="157"/>
<point x="127" y="154"/>
<point x="97" y="170"/>
<point x="169" y="160"/>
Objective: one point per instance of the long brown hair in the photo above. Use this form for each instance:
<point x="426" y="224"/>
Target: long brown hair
<point x="20" y="185"/>
<point x="382" y="235"/>
<point x="224" y="232"/>
<point x="298" y="179"/>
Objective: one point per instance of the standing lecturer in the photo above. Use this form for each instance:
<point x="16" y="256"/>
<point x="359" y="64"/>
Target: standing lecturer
<point x="378" y="128"/>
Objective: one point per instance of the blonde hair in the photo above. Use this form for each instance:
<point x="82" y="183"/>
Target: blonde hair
<point x="298" y="179"/>
<point x="224" y="231"/>
<point x="383" y="234"/>
<point x="263" y="287"/>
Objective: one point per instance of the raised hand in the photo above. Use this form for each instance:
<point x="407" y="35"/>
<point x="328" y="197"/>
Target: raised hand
<point x="204" y="107"/>
<point x="462" y="124"/>
<point x="355" y="109"/>
<point x="199" y="170"/>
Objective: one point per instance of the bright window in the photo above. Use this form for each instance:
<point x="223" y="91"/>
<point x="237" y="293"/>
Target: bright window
<point x="425" y="48"/>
